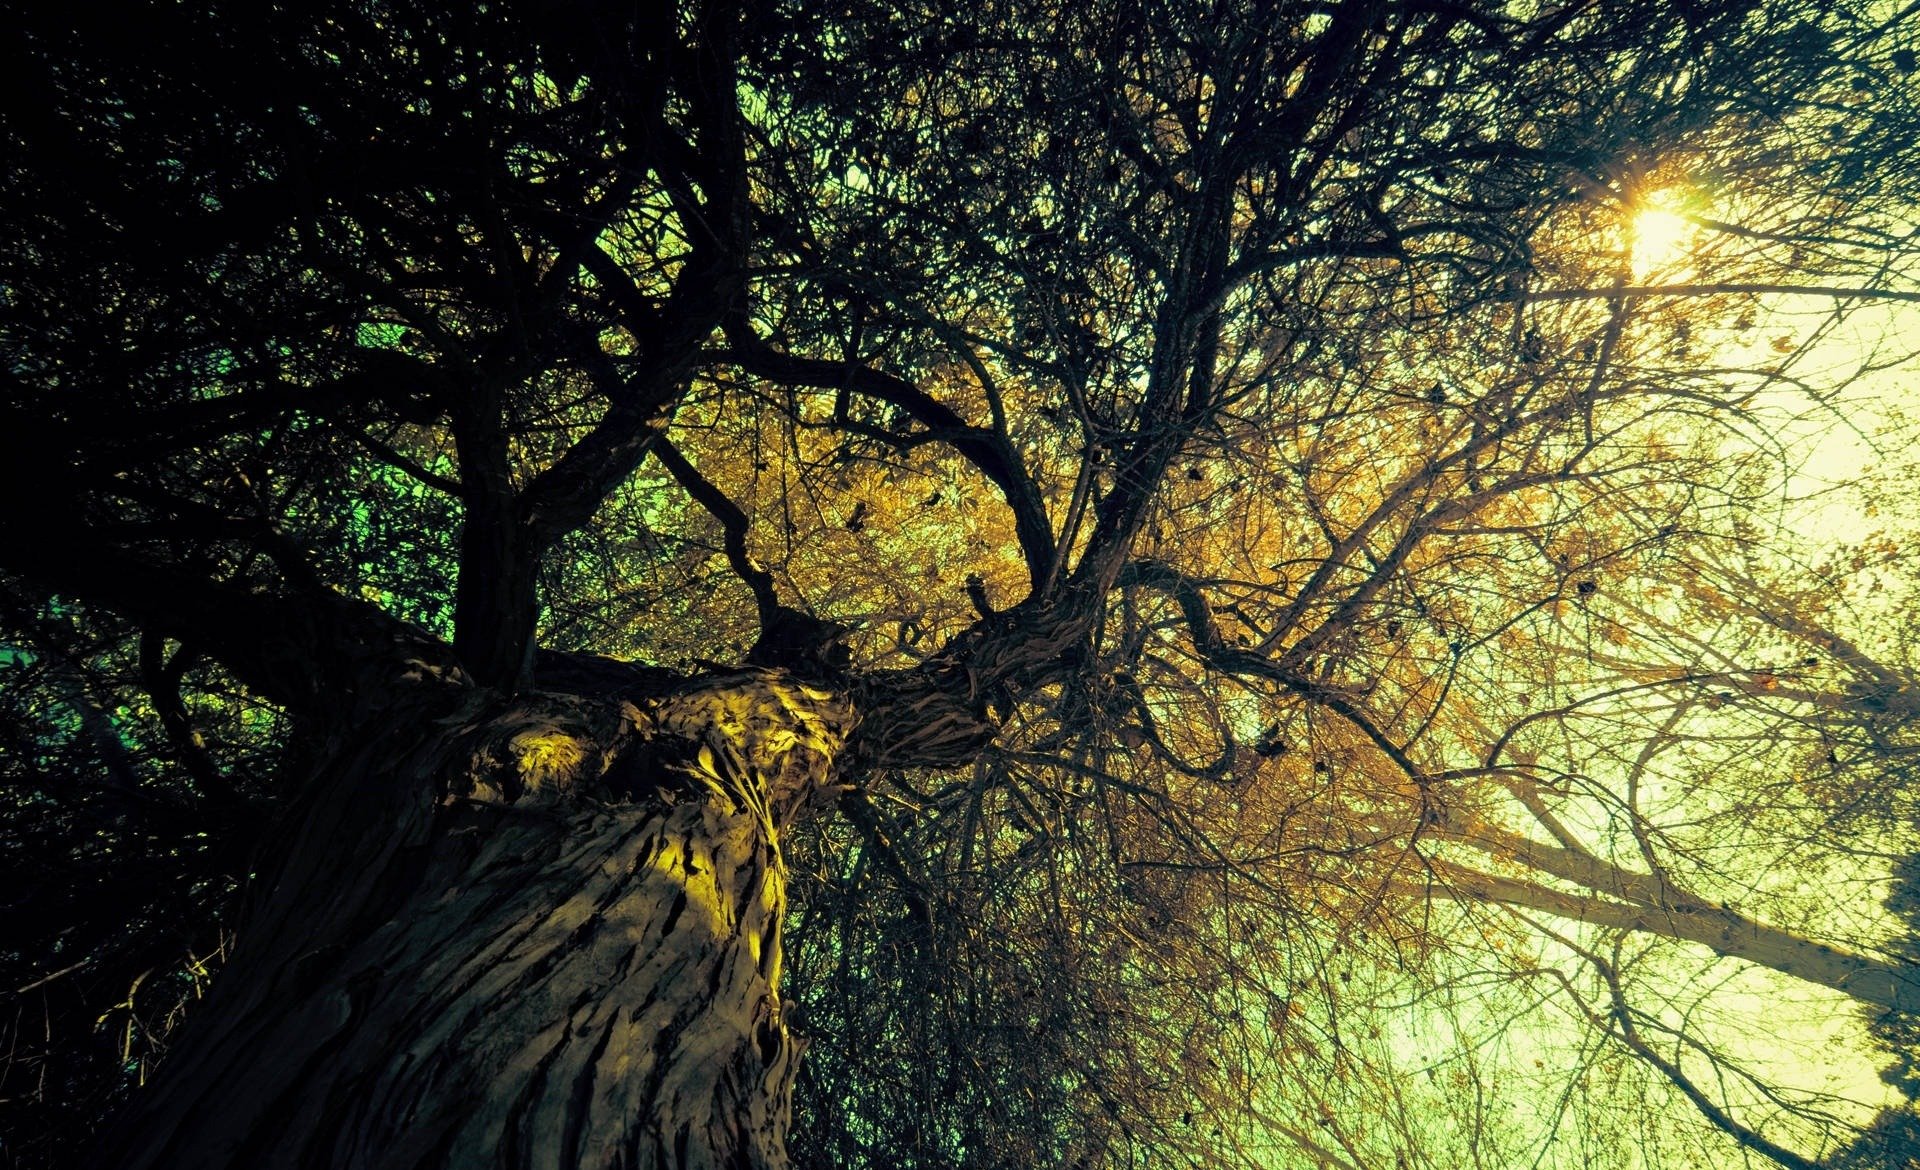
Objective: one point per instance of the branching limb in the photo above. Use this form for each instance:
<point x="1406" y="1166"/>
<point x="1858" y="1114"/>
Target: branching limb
<point x="1629" y="1032"/>
<point x="733" y="527"/>
<point x="1837" y="292"/>
<point x="160" y="674"/>
<point x="1204" y="632"/>
<point x="987" y="449"/>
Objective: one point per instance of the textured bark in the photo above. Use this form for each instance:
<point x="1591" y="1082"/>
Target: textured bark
<point x="542" y="932"/>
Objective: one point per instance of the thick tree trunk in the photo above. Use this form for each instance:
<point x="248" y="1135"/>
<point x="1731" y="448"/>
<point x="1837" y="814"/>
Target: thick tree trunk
<point x="542" y="932"/>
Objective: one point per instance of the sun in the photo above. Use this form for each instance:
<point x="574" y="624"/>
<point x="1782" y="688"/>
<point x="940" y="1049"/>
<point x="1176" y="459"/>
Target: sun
<point x="1659" y="235"/>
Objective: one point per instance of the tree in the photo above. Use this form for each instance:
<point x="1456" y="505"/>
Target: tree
<point x="1153" y="518"/>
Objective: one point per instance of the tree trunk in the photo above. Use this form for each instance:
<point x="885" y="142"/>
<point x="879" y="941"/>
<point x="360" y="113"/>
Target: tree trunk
<point x="538" y="932"/>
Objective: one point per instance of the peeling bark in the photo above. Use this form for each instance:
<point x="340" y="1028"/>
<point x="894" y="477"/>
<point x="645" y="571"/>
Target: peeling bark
<point x="537" y="932"/>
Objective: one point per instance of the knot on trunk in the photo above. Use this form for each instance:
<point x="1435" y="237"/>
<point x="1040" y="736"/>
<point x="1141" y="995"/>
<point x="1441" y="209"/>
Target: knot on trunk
<point x="541" y="748"/>
<point x="758" y="738"/>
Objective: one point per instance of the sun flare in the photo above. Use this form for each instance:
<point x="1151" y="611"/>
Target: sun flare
<point x="1660" y="238"/>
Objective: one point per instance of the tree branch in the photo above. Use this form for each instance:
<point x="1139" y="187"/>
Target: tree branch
<point x="985" y="448"/>
<point x="1838" y="292"/>
<point x="1873" y="981"/>
<point x="733" y="526"/>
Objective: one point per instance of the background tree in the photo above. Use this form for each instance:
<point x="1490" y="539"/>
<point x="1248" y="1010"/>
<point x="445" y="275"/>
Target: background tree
<point x="1190" y="536"/>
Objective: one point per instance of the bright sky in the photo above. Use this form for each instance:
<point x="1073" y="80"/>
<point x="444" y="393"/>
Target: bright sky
<point x="1784" y="1029"/>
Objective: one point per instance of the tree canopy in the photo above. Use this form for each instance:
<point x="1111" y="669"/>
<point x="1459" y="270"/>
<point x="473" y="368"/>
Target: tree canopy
<point x="1307" y="505"/>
